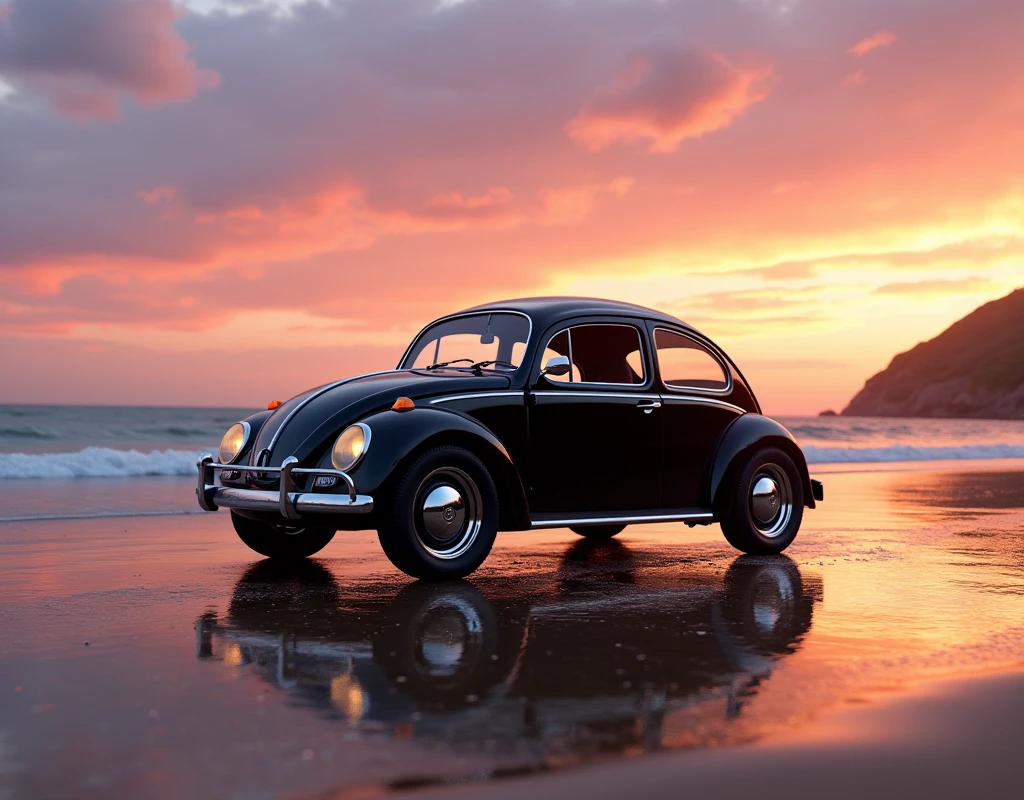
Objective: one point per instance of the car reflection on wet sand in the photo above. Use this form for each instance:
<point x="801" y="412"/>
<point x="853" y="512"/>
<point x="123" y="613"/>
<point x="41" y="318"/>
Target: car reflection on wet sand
<point x="592" y="663"/>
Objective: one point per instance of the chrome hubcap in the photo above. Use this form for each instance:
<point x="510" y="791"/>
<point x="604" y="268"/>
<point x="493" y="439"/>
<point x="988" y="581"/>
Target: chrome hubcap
<point x="764" y="499"/>
<point x="449" y="513"/>
<point x="443" y="512"/>
<point x="771" y="500"/>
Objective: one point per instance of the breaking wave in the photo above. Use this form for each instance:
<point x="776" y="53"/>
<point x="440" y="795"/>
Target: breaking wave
<point x="105" y="462"/>
<point x="906" y="452"/>
<point x="98" y="462"/>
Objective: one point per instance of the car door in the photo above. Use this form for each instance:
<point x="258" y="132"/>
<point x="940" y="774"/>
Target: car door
<point x="695" y="385"/>
<point x="595" y="433"/>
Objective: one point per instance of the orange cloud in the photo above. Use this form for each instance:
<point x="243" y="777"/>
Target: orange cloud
<point x="934" y="287"/>
<point x="864" y="46"/>
<point x="669" y="94"/>
<point x="572" y="204"/>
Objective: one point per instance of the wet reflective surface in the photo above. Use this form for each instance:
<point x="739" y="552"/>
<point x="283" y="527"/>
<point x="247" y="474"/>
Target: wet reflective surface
<point x="594" y="662"/>
<point x="152" y="656"/>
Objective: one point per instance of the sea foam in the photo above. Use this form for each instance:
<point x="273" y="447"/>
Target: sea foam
<point x="906" y="452"/>
<point x="98" y="462"/>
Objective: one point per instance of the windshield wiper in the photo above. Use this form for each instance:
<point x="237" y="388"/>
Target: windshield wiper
<point x="479" y="365"/>
<point x="454" y="361"/>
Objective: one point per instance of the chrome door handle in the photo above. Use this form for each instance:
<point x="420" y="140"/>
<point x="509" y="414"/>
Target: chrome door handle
<point x="648" y="405"/>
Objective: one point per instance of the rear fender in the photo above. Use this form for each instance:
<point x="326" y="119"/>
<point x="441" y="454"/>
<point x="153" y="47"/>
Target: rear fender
<point x="741" y="439"/>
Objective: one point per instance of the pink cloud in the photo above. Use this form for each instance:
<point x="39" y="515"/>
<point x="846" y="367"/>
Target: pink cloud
<point x="84" y="57"/>
<point x="864" y="46"/>
<point x="496" y="196"/>
<point x="667" y="94"/>
<point x="572" y="204"/>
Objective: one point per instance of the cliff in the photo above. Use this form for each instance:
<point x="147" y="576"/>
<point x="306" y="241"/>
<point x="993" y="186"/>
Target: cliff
<point x="975" y="368"/>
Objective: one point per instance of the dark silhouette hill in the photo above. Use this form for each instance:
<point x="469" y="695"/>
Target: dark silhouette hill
<point x="975" y="368"/>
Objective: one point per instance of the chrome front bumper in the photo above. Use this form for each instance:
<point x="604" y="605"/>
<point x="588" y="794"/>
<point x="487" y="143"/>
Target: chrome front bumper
<point x="285" y="500"/>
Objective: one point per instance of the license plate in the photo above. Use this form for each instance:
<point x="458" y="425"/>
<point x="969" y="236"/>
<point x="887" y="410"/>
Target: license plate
<point x="326" y="480"/>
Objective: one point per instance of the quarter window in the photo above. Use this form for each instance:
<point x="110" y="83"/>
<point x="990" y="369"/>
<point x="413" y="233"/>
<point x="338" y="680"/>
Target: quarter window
<point x="599" y="354"/>
<point x="685" y="364"/>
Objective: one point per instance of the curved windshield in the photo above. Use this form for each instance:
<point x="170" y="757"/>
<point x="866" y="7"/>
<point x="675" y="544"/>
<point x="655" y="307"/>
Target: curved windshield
<point x="493" y="340"/>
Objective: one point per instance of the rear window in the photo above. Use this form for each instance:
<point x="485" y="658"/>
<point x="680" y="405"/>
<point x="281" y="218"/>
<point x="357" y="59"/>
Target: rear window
<point x="686" y="364"/>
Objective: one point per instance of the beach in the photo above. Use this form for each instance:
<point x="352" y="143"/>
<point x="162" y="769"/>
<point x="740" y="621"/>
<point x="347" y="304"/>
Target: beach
<point x="148" y="652"/>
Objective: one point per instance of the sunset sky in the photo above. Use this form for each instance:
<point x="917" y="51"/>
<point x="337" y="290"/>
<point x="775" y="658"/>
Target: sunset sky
<point x="228" y="201"/>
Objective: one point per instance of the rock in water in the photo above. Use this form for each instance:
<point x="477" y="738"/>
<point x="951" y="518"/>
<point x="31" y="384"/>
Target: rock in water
<point x="975" y="368"/>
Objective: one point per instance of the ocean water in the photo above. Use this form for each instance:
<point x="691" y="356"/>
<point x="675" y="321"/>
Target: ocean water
<point x="59" y="462"/>
<point x="60" y="442"/>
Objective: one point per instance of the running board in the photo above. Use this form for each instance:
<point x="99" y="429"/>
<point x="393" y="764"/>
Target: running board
<point x="692" y="515"/>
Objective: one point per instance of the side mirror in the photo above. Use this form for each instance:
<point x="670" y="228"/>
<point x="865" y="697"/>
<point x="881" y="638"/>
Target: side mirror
<point x="557" y="366"/>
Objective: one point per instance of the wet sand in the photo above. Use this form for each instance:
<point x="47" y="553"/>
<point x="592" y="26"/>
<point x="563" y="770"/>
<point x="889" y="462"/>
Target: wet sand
<point x="153" y="656"/>
<point x="950" y="739"/>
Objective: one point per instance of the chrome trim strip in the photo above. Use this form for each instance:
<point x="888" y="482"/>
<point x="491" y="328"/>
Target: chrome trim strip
<point x="710" y="350"/>
<point x="315" y="395"/>
<point x="616" y="395"/>
<point x="562" y="523"/>
<point x="459" y="315"/>
<point x="470" y="395"/>
<point x="680" y="399"/>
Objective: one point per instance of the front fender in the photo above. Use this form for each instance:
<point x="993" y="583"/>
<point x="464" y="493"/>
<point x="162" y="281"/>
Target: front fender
<point x="255" y="423"/>
<point x="397" y="435"/>
<point x="740" y="439"/>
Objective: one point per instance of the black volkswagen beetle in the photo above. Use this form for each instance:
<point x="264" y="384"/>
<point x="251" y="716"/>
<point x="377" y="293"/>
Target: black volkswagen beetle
<point x="536" y="413"/>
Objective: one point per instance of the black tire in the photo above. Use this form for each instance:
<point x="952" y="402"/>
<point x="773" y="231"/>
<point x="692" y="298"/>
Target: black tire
<point x="281" y="542"/>
<point x="598" y="531"/>
<point x="457" y="536"/>
<point x="755" y="532"/>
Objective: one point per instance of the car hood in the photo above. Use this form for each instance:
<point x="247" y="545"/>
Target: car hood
<point x="305" y="422"/>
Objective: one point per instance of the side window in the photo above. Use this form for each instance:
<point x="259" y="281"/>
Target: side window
<point x="599" y="354"/>
<point x="685" y="364"/>
<point x="559" y="346"/>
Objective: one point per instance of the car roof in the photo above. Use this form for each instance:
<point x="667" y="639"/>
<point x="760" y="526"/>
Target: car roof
<point x="545" y="311"/>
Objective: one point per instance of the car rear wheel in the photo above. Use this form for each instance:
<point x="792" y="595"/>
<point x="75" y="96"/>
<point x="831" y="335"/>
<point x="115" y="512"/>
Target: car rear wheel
<point x="281" y="542"/>
<point x="766" y="504"/>
<point x="597" y="531"/>
<point x="442" y="518"/>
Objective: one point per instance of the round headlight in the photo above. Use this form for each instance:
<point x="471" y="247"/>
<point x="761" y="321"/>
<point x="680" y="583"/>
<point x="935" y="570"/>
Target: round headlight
<point x="233" y="442"/>
<point x="351" y="446"/>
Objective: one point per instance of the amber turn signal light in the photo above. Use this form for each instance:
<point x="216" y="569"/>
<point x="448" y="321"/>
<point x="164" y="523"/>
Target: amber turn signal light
<point x="403" y="404"/>
<point x="273" y="404"/>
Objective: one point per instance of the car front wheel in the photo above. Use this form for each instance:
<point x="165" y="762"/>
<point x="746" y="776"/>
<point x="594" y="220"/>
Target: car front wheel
<point x="281" y="542"/>
<point x="764" y="511"/>
<point x="442" y="517"/>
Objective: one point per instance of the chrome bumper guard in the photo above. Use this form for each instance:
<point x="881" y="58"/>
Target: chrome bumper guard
<point x="285" y="500"/>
